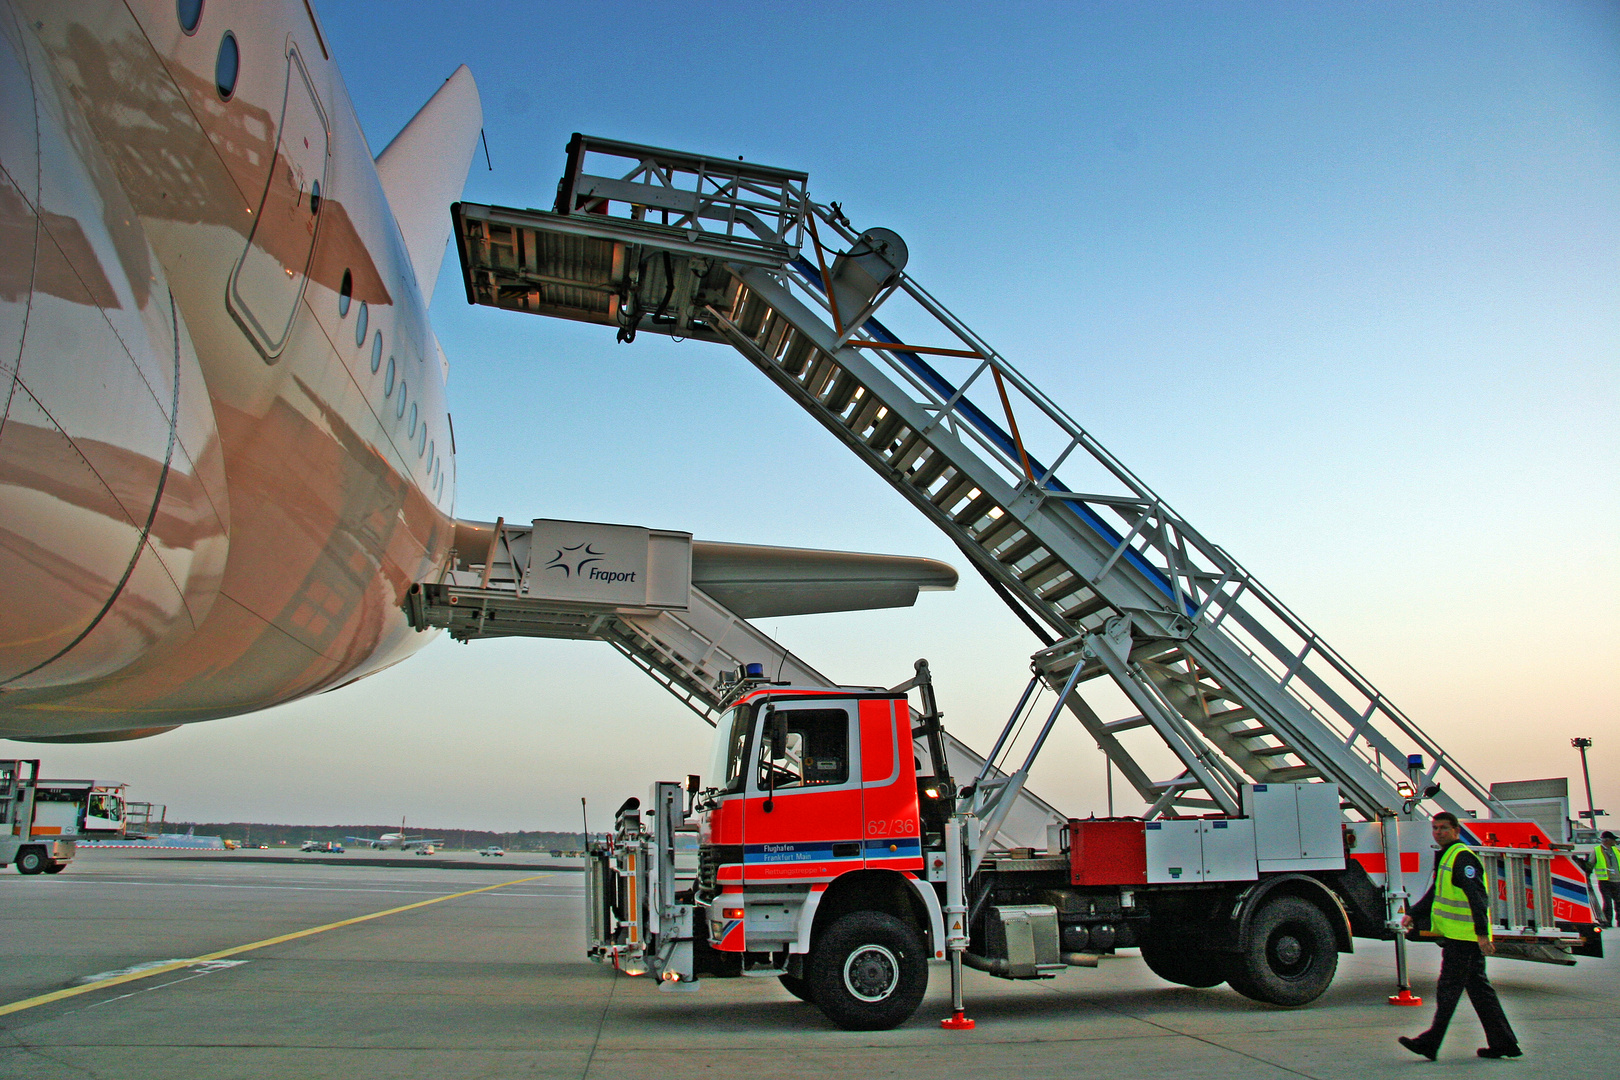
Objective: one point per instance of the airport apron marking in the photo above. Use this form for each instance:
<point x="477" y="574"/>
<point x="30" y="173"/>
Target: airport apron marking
<point x="176" y="965"/>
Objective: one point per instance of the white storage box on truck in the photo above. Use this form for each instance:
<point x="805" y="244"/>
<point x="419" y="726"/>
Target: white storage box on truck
<point x="41" y="821"/>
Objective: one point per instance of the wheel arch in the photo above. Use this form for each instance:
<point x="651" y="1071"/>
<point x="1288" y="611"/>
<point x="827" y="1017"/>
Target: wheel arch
<point x="1302" y="886"/>
<point x="888" y="891"/>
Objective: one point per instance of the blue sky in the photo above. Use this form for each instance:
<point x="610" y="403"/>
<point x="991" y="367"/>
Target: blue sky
<point x="1342" y="282"/>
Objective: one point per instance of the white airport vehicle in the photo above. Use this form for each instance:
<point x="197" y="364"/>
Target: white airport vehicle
<point x="492" y="850"/>
<point x="1298" y="807"/>
<point x="41" y="821"/>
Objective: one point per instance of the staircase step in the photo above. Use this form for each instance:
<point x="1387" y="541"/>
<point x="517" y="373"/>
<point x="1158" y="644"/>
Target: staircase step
<point x="865" y="417"/>
<point x="1043" y="571"/>
<point x="975" y="510"/>
<point x="929" y="470"/>
<point x="955" y="487"/>
<point x="1089" y="607"/>
<point x="1063" y="589"/>
<point x="797" y="355"/>
<point x="998" y="532"/>
<point x="842" y="393"/>
<point x="1019" y="549"/>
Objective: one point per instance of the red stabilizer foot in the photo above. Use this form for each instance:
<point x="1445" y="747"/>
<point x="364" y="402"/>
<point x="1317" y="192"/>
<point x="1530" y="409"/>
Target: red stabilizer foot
<point x="957" y="1022"/>
<point x="1406" y="997"/>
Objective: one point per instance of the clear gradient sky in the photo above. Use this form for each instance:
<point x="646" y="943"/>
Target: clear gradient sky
<point x="1341" y="281"/>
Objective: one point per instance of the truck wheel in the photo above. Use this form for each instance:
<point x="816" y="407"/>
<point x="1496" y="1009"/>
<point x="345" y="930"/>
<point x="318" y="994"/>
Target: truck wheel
<point x="30" y="860"/>
<point x="1290" y="957"/>
<point x="868" y="972"/>
<point x="799" y="988"/>
<point x="1180" y="961"/>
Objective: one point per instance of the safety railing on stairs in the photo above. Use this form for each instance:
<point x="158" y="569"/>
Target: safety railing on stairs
<point x="1093" y="552"/>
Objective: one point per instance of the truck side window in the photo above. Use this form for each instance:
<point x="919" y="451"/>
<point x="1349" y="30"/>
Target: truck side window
<point x="816" y="750"/>
<point x="734" y="746"/>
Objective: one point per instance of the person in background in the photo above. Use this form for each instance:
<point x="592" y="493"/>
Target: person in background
<point x="1606" y="872"/>
<point x="1457" y="910"/>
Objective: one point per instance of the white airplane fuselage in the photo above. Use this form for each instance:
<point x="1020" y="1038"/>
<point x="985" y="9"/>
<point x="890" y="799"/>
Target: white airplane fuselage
<point x="225" y="451"/>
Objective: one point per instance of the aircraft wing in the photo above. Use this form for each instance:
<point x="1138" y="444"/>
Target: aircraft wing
<point x="760" y="582"/>
<point x="363" y="841"/>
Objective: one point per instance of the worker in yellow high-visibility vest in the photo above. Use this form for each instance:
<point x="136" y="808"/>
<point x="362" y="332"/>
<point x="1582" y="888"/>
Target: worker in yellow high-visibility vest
<point x="1606" y="872"/>
<point x="1457" y="909"/>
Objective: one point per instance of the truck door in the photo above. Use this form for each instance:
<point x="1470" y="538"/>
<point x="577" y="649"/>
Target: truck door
<point x="892" y="839"/>
<point x="105" y="813"/>
<point x="802" y="814"/>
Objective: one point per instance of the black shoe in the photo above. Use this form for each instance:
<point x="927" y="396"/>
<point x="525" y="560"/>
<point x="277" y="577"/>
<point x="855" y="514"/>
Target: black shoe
<point x="1504" y="1052"/>
<point x="1418" y="1048"/>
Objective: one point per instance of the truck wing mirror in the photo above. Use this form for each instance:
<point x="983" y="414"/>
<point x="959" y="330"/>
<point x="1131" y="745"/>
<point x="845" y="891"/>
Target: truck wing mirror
<point x="778" y="728"/>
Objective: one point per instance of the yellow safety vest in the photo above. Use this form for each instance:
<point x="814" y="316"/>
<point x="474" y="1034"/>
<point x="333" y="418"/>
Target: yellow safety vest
<point x="1602" y="868"/>
<point x="1451" y="916"/>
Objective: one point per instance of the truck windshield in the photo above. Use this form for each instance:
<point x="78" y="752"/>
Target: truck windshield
<point x="730" y="746"/>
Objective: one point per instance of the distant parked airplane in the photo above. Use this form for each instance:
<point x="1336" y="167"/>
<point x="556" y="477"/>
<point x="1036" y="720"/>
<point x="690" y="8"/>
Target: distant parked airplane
<point x="400" y="840"/>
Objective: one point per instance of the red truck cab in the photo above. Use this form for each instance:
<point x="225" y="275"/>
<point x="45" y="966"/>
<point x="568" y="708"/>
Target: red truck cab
<point x="815" y="817"/>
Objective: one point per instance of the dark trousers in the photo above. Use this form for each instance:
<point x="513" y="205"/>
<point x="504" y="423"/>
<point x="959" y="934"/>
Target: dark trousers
<point x="1462" y="967"/>
<point x="1610" y="893"/>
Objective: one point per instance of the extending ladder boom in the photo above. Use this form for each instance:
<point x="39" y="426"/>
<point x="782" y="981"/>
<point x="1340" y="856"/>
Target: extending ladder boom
<point x="1111" y="578"/>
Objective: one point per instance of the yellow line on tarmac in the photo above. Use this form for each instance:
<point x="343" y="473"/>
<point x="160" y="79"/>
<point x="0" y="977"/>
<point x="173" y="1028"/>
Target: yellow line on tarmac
<point x="147" y="973"/>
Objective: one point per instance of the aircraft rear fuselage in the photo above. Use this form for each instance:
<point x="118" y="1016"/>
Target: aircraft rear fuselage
<point x="226" y="452"/>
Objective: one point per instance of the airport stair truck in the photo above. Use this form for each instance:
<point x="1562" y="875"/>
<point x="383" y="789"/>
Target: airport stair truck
<point x="41" y="821"/>
<point x="1276" y="736"/>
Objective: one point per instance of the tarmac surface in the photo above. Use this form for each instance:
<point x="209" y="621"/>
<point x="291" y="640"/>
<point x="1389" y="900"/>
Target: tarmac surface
<point x="361" y="967"/>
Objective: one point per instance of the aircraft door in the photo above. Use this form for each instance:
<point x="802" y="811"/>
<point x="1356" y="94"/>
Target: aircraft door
<point x="268" y="280"/>
<point x="802" y="812"/>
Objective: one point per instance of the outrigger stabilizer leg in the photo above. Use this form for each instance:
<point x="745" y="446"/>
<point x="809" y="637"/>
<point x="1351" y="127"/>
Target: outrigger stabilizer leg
<point x="1395" y="906"/>
<point x="956" y="937"/>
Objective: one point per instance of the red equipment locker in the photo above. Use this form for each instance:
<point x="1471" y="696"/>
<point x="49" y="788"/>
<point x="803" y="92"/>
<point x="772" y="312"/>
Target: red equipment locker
<point x="1107" y="853"/>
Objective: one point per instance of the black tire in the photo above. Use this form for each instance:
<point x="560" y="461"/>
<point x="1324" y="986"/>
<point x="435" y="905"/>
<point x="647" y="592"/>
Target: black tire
<point x="1181" y="961"/>
<point x="799" y="988"/>
<point x="54" y="867"/>
<point x="868" y="972"/>
<point x="30" y="860"/>
<point x="1290" y="957"/>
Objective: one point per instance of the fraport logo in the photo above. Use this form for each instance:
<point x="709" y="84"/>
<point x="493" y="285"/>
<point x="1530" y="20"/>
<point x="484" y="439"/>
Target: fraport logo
<point x="580" y="561"/>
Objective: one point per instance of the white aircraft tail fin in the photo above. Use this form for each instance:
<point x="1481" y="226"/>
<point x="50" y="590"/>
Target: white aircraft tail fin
<point x="424" y="169"/>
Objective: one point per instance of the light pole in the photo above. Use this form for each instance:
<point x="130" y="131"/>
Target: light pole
<point x="1592" y="813"/>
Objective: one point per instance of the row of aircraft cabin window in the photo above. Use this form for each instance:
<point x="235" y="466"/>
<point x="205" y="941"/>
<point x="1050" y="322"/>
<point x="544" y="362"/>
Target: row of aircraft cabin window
<point x="426" y="448"/>
<point x="227" y="62"/>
